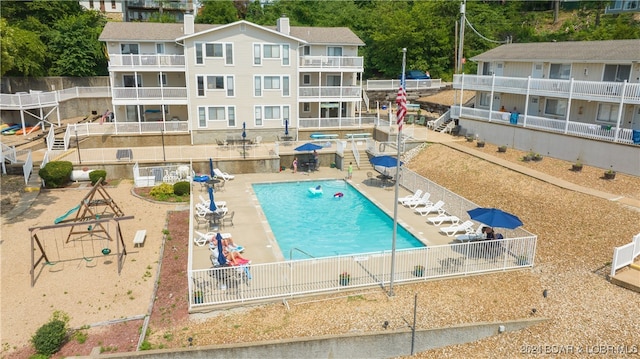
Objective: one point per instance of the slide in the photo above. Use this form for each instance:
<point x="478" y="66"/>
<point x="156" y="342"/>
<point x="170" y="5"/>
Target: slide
<point x="64" y="216"/>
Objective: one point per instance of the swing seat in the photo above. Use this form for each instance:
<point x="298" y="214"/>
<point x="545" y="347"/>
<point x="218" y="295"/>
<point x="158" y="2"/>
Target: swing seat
<point x="105" y="251"/>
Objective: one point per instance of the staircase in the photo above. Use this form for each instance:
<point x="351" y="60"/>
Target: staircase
<point x="365" y="165"/>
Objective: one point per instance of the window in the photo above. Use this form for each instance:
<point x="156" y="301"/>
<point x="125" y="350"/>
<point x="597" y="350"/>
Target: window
<point x="199" y="58"/>
<point x="258" y="116"/>
<point x="306" y="107"/>
<point x="90" y="4"/>
<point x="216" y="113"/>
<point x="213" y="50"/>
<point x="616" y="73"/>
<point x="200" y="82"/>
<point x="556" y="107"/>
<point x="126" y="49"/>
<point x="607" y="113"/>
<point x="285" y="55"/>
<point x="306" y="79"/>
<point x="257" y="57"/>
<point x="159" y="48"/>
<point x="271" y="51"/>
<point x="333" y="80"/>
<point x="232" y="116"/>
<point x="229" y="54"/>
<point x="560" y="71"/>
<point x="272" y="113"/>
<point x="230" y="87"/>
<point x="132" y="81"/>
<point x="334" y="51"/>
<point x="215" y="82"/>
<point x="285" y="85"/>
<point x="257" y="86"/>
<point x="162" y="79"/>
<point x="485" y="99"/>
<point x="306" y="50"/>
<point x="202" y="117"/>
<point x="285" y="115"/>
<point x="113" y="4"/>
<point x="272" y="82"/>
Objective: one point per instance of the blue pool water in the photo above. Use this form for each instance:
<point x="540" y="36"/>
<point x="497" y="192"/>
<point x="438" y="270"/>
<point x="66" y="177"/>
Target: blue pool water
<point x="324" y="226"/>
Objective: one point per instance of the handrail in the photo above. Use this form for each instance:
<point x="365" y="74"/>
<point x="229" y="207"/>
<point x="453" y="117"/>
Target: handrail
<point x="299" y="250"/>
<point x="356" y="153"/>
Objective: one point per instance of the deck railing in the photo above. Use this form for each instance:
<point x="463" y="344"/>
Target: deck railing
<point x="411" y="85"/>
<point x="625" y="255"/>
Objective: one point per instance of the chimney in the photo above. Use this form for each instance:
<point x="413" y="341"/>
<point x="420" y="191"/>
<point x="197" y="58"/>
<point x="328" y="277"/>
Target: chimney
<point x="189" y="27"/>
<point x="282" y="24"/>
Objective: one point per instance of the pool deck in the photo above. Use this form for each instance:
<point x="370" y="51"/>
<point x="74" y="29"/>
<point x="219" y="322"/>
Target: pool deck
<point x="252" y="231"/>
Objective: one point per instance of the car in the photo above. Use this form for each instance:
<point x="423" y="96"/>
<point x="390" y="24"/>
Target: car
<point x="416" y="75"/>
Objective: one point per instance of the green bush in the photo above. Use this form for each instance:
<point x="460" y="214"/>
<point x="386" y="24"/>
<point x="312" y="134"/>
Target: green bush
<point x="181" y="188"/>
<point x="161" y="191"/>
<point x="95" y="176"/>
<point x="56" y="173"/>
<point x="50" y="337"/>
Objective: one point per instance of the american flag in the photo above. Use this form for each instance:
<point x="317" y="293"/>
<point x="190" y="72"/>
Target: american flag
<point x="401" y="101"/>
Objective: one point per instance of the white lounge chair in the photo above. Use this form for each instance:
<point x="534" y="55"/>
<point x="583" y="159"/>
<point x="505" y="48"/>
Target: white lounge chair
<point x="202" y="210"/>
<point x="224" y="175"/>
<point x="206" y="202"/>
<point x="436" y="207"/>
<point x="422" y="201"/>
<point x="452" y="230"/>
<point x="441" y="218"/>
<point x="410" y="197"/>
<point x="200" y="238"/>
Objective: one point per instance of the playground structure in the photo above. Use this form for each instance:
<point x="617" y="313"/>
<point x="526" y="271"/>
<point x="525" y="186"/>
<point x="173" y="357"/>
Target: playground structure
<point x="96" y="215"/>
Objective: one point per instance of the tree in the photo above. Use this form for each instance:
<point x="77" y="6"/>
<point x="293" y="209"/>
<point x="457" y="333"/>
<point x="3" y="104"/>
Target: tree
<point x="22" y="51"/>
<point x="217" y="12"/>
<point x="75" y="46"/>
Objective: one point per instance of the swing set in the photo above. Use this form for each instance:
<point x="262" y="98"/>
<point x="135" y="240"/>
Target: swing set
<point x="96" y="212"/>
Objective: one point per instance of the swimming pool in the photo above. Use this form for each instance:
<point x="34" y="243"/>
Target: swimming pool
<point x="323" y="225"/>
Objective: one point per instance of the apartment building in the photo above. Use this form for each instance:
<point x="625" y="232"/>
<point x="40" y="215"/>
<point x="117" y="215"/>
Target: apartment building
<point x="213" y="79"/>
<point x="586" y="92"/>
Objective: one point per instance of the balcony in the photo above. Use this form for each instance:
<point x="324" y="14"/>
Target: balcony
<point x="612" y="92"/>
<point x="146" y="62"/>
<point x="149" y="95"/>
<point x="329" y="93"/>
<point x="332" y="63"/>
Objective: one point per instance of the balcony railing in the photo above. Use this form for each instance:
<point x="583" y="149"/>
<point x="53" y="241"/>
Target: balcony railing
<point x="411" y="85"/>
<point x="580" y="129"/>
<point x="600" y="91"/>
<point x="150" y="93"/>
<point x="329" y="93"/>
<point x="147" y="61"/>
<point x="335" y="122"/>
<point x="332" y="62"/>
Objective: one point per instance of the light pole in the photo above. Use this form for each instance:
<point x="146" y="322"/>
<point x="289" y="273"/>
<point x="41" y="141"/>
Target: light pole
<point x="77" y="144"/>
<point x="164" y="157"/>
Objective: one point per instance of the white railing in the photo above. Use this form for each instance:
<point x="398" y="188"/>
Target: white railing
<point x="51" y="137"/>
<point x="337" y="122"/>
<point x="41" y="99"/>
<point x="151" y="176"/>
<point x="330" y="92"/>
<point x="580" y="129"/>
<point x="365" y="99"/>
<point x="150" y="93"/>
<point x="576" y="89"/>
<point x="27" y="167"/>
<point x="356" y="153"/>
<point x="83" y="92"/>
<point x="411" y="85"/>
<point x="109" y="128"/>
<point x="625" y="255"/>
<point x="9" y="153"/>
<point x="154" y="61"/>
<point x="337" y="63"/>
<point x="309" y="276"/>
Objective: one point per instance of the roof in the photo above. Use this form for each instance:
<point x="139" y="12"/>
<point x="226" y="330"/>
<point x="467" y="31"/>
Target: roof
<point x="568" y="51"/>
<point x="149" y="31"/>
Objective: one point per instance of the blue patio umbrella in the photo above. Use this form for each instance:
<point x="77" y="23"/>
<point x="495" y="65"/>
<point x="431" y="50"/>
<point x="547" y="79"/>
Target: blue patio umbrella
<point x="212" y="203"/>
<point x="222" y="260"/>
<point x="211" y="168"/>
<point x="308" y="147"/>
<point x="494" y="217"/>
<point x="385" y="161"/>
<point x="286" y="127"/>
<point x="244" y="136"/>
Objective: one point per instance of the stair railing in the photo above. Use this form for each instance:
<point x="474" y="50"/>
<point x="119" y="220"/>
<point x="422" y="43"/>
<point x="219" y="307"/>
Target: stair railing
<point x="51" y="137"/>
<point x="356" y="153"/>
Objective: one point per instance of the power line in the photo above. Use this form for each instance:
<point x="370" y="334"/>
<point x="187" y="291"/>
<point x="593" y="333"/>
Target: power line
<point x="508" y="40"/>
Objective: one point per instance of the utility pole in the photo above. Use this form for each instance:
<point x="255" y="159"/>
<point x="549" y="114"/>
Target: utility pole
<point x="461" y="43"/>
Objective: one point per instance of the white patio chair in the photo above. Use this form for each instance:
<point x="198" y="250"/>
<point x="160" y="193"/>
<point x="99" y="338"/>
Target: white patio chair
<point x="411" y="197"/>
<point x="422" y="201"/>
<point x="224" y="175"/>
<point x="437" y="207"/>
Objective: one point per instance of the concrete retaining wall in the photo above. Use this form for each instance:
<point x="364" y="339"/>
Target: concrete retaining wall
<point x="384" y="344"/>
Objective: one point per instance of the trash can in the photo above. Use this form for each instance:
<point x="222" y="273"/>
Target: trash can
<point x="635" y="137"/>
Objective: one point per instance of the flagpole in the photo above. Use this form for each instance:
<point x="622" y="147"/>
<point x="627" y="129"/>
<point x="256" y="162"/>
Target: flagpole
<point x="400" y="118"/>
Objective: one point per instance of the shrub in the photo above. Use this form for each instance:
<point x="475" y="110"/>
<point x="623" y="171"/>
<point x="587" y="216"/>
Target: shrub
<point x="94" y="176"/>
<point x="181" y="188"/>
<point x="50" y="337"/>
<point x="161" y="191"/>
<point x="56" y="173"/>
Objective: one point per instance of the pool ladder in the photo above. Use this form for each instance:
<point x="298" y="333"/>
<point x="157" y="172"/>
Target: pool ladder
<point x="299" y="250"/>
